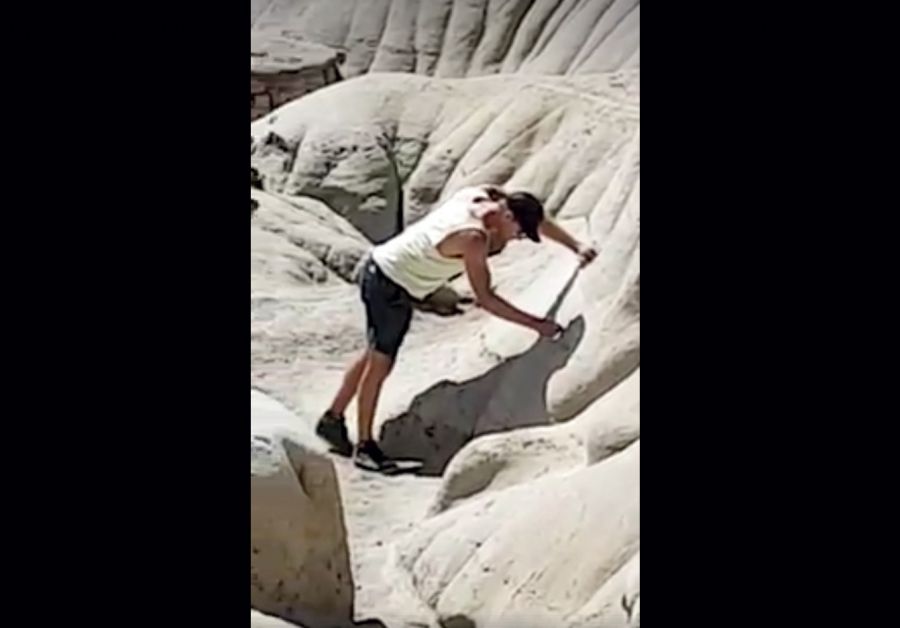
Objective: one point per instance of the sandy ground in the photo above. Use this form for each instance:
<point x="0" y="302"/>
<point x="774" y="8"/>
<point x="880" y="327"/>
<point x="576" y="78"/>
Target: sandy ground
<point x="378" y="510"/>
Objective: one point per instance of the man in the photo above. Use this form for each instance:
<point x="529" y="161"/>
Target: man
<point x="456" y="237"/>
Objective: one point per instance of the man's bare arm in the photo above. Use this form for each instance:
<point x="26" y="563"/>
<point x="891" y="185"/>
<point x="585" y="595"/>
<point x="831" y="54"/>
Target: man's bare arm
<point x="475" y="250"/>
<point x="552" y="231"/>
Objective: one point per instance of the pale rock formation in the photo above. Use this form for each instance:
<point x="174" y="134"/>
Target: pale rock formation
<point x="299" y="561"/>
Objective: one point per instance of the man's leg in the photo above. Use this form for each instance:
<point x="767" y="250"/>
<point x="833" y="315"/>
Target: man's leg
<point x="332" y="425"/>
<point x="378" y="367"/>
<point x="349" y="386"/>
<point x="368" y="454"/>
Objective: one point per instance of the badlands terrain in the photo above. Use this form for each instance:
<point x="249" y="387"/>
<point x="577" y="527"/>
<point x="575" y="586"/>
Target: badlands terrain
<point x="526" y="509"/>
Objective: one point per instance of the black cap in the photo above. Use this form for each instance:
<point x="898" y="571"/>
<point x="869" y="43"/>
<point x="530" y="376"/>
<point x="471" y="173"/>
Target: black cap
<point x="528" y="211"/>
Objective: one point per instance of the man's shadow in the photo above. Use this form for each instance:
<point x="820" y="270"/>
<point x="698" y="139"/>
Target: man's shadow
<point x="509" y="396"/>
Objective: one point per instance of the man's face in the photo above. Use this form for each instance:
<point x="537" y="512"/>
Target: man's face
<point x="510" y="229"/>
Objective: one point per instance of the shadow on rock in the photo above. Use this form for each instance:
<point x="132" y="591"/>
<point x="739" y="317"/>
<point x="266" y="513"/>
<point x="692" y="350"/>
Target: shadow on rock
<point x="512" y="395"/>
<point x="457" y="621"/>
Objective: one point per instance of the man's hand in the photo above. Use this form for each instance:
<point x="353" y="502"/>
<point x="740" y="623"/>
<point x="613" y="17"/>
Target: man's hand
<point x="586" y="254"/>
<point x="548" y="328"/>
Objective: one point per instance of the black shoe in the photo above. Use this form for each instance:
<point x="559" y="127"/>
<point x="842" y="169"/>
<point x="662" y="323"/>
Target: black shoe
<point x="370" y="457"/>
<point x="333" y="429"/>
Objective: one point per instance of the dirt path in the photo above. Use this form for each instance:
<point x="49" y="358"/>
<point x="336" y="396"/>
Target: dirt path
<point x="378" y="510"/>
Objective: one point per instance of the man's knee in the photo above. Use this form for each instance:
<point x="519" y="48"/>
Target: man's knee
<point x="380" y="364"/>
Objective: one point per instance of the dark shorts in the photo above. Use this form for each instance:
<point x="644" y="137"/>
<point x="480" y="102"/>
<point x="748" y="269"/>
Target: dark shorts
<point x="388" y="310"/>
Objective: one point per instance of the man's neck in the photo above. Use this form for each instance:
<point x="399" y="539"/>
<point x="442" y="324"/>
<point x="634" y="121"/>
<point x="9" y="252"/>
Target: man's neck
<point x="495" y="245"/>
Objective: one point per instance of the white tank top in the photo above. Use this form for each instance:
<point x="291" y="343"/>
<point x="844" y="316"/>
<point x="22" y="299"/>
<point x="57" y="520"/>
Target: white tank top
<point x="411" y="259"/>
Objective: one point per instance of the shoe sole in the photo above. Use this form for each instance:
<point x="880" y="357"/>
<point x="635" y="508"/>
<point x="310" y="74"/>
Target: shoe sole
<point x="386" y="470"/>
